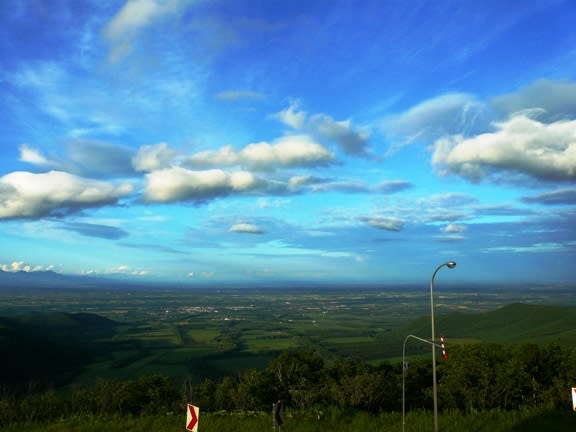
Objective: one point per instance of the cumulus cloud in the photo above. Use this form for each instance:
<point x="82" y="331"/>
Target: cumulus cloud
<point x="246" y="228"/>
<point x="384" y="223"/>
<point x="349" y="140"/>
<point x="289" y="151"/>
<point x="134" y="17"/>
<point x="530" y="133"/>
<point x="28" y="195"/>
<point x="180" y="184"/>
<point x="153" y="157"/>
<point x="125" y="270"/>
<point x="323" y="127"/>
<point x="519" y="145"/>
<point x="291" y="116"/>
<point x="21" y="266"/>
<point x="454" y="229"/>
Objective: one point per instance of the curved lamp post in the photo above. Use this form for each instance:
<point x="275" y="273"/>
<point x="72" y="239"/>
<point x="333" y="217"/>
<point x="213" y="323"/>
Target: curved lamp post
<point x="404" y="375"/>
<point x="450" y="265"/>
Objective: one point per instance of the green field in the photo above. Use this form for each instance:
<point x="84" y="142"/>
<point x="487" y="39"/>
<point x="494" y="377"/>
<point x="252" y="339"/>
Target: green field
<point x="203" y="333"/>
<point x="96" y="343"/>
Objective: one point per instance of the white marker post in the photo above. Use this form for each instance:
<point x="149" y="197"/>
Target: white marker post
<point x="574" y="399"/>
<point x="192" y="414"/>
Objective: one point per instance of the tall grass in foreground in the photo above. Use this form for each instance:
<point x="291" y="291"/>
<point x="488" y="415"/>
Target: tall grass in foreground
<point x="330" y="421"/>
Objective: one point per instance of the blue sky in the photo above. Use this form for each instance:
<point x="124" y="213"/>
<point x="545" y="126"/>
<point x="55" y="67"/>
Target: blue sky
<point x="205" y="141"/>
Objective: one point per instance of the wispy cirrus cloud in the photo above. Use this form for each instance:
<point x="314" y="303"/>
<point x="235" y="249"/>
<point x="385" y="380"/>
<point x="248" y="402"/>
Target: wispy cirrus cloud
<point x="240" y="95"/>
<point x="452" y="113"/>
<point x="566" y="196"/>
<point x="95" y="230"/>
<point x="134" y="18"/>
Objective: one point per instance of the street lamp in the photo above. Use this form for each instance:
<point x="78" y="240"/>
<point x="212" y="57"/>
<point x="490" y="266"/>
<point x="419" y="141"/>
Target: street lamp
<point x="404" y="375"/>
<point x="450" y="265"/>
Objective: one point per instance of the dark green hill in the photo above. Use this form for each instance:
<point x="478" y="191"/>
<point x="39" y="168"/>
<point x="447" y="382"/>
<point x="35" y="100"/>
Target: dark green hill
<point x="50" y="349"/>
<point x="512" y="324"/>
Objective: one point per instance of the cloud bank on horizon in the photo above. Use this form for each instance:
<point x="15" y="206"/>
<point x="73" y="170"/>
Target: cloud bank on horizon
<point x="207" y="140"/>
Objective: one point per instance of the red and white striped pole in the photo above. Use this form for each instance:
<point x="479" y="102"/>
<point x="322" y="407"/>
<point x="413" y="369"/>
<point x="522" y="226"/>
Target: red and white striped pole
<point x="443" y="348"/>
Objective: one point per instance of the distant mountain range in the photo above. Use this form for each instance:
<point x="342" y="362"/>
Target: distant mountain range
<point x="48" y="279"/>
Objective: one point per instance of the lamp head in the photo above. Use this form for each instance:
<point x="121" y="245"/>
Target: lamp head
<point x="451" y="264"/>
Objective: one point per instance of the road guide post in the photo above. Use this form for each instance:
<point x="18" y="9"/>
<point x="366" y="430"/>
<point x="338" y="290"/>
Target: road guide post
<point x="192" y="414"/>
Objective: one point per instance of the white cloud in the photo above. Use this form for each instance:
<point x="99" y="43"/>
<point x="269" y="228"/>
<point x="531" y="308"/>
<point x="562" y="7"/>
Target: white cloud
<point x="385" y="223"/>
<point x="393" y="186"/>
<point x="291" y="117"/>
<point x="133" y="19"/>
<point x="84" y="158"/>
<point x="454" y="229"/>
<point x="298" y="181"/>
<point x="519" y="145"/>
<point x="75" y="100"/>
<point x="555" y="100"/>
<point x="33" y="156"/>
<point x="239" y="95"/>
<point x="550" y="247"/>
<point x="445" y="114"/>
<point x="96" y="158"/>
<point x="323" y="127"/>
<point x="29" y="195"/>
<point x="350" y="141"/>
<point x="288" y="151"/>
<point x="18" y="266"/>
<point x="223" y="156"/>
<point x="566" y="196"/>
<point x="246" y="228"/>
<point x="153" y="157"/>
<point x="347" y="186"/>
<point x="180" y="184"/>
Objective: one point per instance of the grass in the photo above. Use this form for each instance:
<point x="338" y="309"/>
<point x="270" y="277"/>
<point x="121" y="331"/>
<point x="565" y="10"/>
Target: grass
<point x="333" y="420"/>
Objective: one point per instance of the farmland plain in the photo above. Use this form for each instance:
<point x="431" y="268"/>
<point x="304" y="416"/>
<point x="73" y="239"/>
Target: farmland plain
<point x="218" y="331"/>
